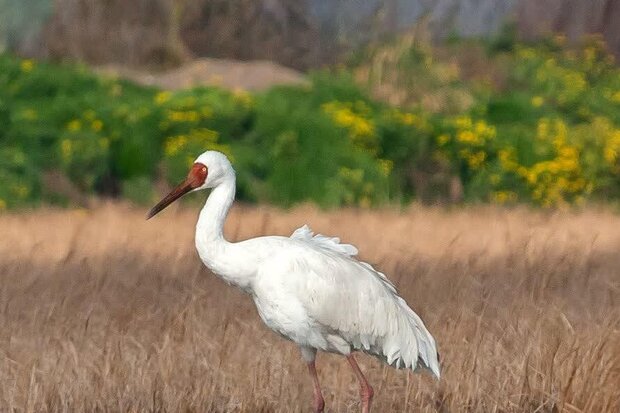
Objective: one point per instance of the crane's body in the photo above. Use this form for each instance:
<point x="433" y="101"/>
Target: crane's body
<point x="308" y="288"/>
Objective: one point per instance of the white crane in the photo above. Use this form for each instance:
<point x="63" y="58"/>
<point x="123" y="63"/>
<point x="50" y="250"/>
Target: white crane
<point x="308" y="288"/>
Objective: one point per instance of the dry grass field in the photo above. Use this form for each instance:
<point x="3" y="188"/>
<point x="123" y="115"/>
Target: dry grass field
<point x="102" y="311"/>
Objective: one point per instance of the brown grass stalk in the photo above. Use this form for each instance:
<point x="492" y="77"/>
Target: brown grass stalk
<point x="103" y="311"/>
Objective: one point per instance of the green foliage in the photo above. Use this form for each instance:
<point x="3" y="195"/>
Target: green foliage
<point x="547" y="133"/>
<point x="558" y="126"/>
<point x="537" y="122"/>
<point x="191" y="122"/>
<point x="139" y="189"/>
<point x="318" y="143"/>
<point x="66" y="119"/>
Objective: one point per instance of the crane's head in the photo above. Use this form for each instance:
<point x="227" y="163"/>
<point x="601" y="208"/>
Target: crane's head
<point x="208" y="171"/>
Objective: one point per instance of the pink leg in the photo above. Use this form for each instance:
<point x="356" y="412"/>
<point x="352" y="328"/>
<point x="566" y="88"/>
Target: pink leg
<point x="366" y="391"/>
<point x="319" y="403"/>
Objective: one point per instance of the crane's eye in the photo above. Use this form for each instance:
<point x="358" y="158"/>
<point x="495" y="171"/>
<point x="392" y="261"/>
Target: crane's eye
<point x="204" y="169"/>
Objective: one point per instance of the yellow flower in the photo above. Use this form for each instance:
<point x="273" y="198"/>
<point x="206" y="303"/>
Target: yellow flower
<point x="174" y="144"/>
<point x="20" y="191"/>
<point x="537" y="101"/>
<point x="589" y="54"/>
<point x="2" y="204"/>
<point x="443" y="139"/>
<point x="355" y="175"/>
<point x="485" y="130"/>
<point x="537" y="193"/>
<point x="74" y="126"/>
<point x="96" y="125"/>
<point x="526" y="53"/>
<point x="610" y="154"/>
<point x="205" y="136"/>
<point x="27" y="65"/>
<point x="408" y="118"/>
<point x="542" y="129"/>
<point x="183" y="116"/>
<point x="463" y="122"/>
<point x="506" y="159"/>
<point x="576" y="185"/>
<point x="561" y="130"/>
<point x="502" y="197"/>
<point x="568" y="152"/>
<point x="162" y="97"/>
<point x="467" y="136"/>
<point x="361" y="130"/>
<point x="611" y="148"/>
<point x="404" y="118"/>
<point x="386" y="166"/>
<point x="476" y="160"/>
<point x="242" y="96"/>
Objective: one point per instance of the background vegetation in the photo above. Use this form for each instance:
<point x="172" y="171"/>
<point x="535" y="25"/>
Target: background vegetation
<point x="498" y="121"/>
<point x="103" y="311"/>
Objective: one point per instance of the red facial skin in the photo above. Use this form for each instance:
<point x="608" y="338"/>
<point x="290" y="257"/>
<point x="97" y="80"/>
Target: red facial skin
<point x="197" y="175"/>
<point x="195" y="179"/>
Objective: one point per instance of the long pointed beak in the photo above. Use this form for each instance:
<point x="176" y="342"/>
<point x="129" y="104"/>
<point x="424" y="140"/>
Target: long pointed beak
<point x="183" y="188"/>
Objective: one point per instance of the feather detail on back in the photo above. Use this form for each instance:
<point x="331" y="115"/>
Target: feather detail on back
<point x="360" y="305"/>
<point x="329" y="243"/>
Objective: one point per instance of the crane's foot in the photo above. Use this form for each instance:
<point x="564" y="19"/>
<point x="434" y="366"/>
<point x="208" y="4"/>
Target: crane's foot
<point x="319" y="403"/>
<point x="366" y="394"/>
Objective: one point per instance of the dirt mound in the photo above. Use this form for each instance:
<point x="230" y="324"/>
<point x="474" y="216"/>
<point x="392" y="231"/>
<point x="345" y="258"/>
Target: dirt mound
<point x="231" y="74"/>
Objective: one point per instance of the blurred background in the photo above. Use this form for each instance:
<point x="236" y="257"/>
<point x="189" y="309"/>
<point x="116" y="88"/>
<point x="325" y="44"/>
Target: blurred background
<point x="341" y="103"/>
<point x="469" y="148"/>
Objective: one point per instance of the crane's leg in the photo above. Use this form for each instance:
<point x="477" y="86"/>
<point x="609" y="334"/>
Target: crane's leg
<point x="366" y="391"/>
<point x="309" y="355"/>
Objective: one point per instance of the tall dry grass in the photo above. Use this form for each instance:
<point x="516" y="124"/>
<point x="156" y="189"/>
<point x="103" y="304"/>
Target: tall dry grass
<point x="103" y="311"/>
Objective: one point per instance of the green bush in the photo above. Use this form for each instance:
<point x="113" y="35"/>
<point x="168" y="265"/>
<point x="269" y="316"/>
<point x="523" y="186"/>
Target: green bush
<point x="305" y="149"/>
<point x="547" y="133"/>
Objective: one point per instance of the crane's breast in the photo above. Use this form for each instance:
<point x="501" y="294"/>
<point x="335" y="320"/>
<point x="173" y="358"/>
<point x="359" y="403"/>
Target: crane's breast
<point x="285" y="314"/>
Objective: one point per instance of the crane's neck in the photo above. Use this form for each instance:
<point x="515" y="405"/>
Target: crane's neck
<point x="210" y="226"/>
<point x="219" y="255"/>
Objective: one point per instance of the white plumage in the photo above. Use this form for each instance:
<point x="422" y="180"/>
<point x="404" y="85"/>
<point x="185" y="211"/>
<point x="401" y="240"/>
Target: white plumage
<point x="308" y="288"/>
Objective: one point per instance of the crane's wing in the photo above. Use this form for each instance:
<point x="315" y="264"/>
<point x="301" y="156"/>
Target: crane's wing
<point x="360" y="304"/>
<point x="329" y="243"/>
